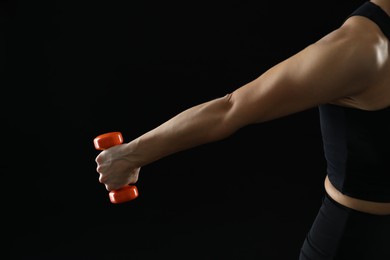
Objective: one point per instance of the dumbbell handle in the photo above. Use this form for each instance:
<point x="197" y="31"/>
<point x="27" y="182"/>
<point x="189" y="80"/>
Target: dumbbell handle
<point x="128" y="192"/>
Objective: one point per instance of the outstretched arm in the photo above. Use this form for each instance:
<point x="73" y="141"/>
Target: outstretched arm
<point x="329" y="70"/>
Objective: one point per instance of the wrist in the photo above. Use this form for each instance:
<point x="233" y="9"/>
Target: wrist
<point x="133" y="154"/>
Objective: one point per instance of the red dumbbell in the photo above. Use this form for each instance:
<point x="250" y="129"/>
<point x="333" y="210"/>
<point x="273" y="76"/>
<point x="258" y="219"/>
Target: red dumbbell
<point x="128" y="192"/>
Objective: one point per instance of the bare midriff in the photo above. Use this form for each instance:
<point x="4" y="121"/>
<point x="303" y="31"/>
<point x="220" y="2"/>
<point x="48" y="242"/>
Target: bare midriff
<point x="376" y="208"/>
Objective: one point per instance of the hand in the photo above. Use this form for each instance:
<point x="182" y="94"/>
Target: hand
<point x="115" y="168"/>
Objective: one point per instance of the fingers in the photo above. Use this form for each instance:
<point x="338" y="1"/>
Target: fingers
<point x="117" y="185"/>
<point x="114" y="182"/>
<point x="116" y="172"/>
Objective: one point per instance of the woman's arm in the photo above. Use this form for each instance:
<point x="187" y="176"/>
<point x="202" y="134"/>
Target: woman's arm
<point x="329" y="70"/>
<point x="334" y="68"/>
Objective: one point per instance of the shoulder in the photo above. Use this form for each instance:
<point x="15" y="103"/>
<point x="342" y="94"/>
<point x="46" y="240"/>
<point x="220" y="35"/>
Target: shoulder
<point x="359" y="42"/>
<point x="352" y="55"/>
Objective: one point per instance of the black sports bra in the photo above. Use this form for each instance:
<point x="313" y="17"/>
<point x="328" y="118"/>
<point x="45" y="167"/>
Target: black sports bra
<point x="357" y="142"/>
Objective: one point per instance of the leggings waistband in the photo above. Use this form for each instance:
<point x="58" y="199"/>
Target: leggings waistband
<point x="328" y="200"/>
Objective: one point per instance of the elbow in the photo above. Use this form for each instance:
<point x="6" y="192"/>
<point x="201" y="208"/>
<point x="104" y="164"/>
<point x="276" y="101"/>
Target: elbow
<point x="228" y="124"/>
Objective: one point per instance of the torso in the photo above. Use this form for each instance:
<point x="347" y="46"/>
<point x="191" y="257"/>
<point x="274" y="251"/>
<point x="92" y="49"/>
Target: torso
<point x="374" y="98"/>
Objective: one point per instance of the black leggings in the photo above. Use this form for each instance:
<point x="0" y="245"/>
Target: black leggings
<point x="341" y="233"/>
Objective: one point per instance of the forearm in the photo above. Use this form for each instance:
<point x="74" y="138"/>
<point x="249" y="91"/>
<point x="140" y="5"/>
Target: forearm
<point x="197" y="125"/>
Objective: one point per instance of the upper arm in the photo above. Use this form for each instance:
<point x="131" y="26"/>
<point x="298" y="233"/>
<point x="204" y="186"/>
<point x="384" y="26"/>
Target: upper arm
<point x="321" y="73"/>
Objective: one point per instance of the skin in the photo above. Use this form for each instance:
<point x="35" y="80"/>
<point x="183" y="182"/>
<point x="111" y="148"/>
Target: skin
<point x="332" y="70"/>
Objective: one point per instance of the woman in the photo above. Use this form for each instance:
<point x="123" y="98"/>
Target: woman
<point x="347" y="75"/>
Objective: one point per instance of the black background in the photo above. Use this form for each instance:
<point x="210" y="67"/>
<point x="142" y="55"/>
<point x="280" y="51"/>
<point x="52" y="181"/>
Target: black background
<point x="75" y="69"/>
